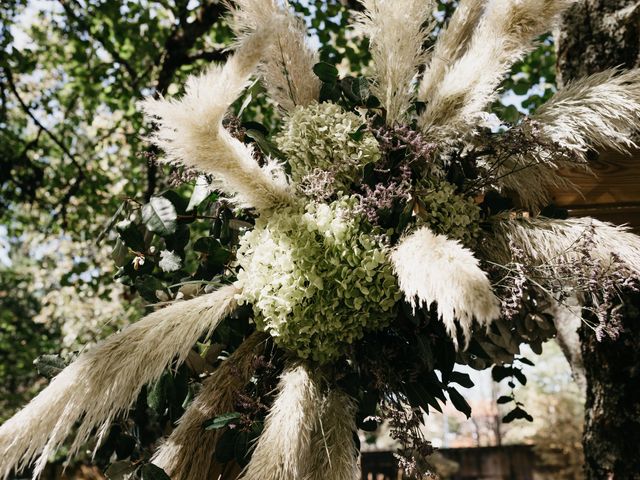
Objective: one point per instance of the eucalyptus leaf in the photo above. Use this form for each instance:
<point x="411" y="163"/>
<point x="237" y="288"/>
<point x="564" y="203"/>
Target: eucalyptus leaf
<point x="152" y="472"/>
<point x="121" y="470"/>
<point x="49" y="365"/>
<point x="220" y="421"/>
<point x="160" y="216"/>
<point x="200" y="192"/>
<point x="326" y="72"/>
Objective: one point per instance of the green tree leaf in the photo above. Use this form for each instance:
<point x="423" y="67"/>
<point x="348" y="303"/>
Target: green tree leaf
<point x="459" y="402"/>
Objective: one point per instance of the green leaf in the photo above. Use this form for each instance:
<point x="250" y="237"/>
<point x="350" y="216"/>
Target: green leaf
<point x="504" y="399"/>
<point x="266" y="146"/>
<point x="515" y="414"/>
<point x="119" y="253"/>
<point x="526" y="361"/>
<point x="49" y="365"/>
<point x="459" y="402"/>
<point x="500" y="372"/>
<point x="179" y="239"/>
<point x="226" y="446"/>
<point x="178" y="201"/>
<point x="121" y="470"/>
<point x="125" y="445"/>
<point x="200" y="192"/>
<point x="462" y="379"/>
<point x="359" y="133"/>
<point x="419" y="396"/>
<point x="159" y="395"/>
<point x="153" y="472"/>
<point x="330" y="92"/>
<point x="242" y="448"/>
<point x="520" y="376"/>
<point x="131" y="235"/>
<point x="355" y="89"/>
<point x="220" y="421"/>
<point x="147" y="286"/>
<point x="110" y="223"/>
<point x="159" y="215"/>
<point x="326" y="72"/>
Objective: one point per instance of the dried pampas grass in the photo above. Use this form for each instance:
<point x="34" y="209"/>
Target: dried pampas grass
<point x="103" y="382"/>
<point x="287" y="66"/>
<point x="190" y="130"/>
<point x="397" y="30"/>
<point x="552" y="242"/>
<point x="283" y="449"/>
<point x="452" y="42"/>
<point x="188" y="452"/>
<point x="432" y="268"/>
<point x="599" y="111"/>
<point x="504" y="34"/>
<point x="333" y="452"/>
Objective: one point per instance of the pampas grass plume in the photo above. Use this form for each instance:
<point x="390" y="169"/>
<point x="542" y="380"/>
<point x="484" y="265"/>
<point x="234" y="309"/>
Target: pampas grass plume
<point x="432" y="268"/>
<point x="103" y="382"/>
<point x="283" y="449"/>
<point x="451" y="43"/>
<point x="601" y="110"/>
<point x="190" y="130"/>
<point x="287" y="65"/>
<point x="397" y="32"/>
<point x="552" y="242"/>
<point x="504" y="34"/>
<point x="187" y="453"/>
<point x="333" y="452"/>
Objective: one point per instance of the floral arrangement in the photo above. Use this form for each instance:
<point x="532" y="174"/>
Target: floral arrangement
<point x="388" y="233"/>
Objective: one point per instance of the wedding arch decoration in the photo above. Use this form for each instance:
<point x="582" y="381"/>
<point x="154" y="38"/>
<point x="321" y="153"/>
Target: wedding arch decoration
<point x="394" y="230"/>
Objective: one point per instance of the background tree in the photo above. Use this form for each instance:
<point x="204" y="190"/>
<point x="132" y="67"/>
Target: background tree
<point x="596" y="35"/>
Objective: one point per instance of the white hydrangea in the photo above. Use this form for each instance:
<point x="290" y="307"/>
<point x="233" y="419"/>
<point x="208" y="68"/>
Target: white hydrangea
<point x="320" y="137"/>
<point x="316" y="281"/>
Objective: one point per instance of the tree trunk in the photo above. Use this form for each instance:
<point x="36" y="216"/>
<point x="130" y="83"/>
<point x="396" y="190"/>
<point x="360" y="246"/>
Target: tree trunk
<point x="596" y="35"/>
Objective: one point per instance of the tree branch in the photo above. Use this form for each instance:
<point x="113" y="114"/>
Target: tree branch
<point x="50" y="134"/>
<point x="84" y="26"/>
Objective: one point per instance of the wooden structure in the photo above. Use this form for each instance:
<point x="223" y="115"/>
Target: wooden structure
<point x="509" y="462"/>
<point x="612" y="195"/>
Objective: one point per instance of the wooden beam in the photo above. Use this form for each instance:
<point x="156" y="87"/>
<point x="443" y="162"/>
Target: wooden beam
<point x="612" y="194"/>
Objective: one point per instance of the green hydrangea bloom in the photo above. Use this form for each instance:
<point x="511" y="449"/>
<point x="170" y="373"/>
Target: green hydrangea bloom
<point x="451" y="214"/>
<point x="315" y="280"/>
<point x="318" y="137"/>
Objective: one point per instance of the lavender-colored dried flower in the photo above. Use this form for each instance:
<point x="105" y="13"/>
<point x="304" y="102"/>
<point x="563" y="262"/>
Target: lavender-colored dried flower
<point x="384" y="195"/>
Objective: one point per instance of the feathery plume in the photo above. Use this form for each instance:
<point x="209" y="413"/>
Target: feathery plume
<point x="451" y="43"/>
<point x="190" y="130"/>
<point x="397" y="30"/>
<point x="432" y="268"/>
<point x="598" y="111"/>
<point x="283" y="449"/>
<point x="103" y="382"/>
<point x="525" y="164"/>
<point x="553" y="242"/>
<point x="505" y="33"/>
<point x="187" y="452"/>
<point x="287" y="66"/>
<point x="333" y="453"/>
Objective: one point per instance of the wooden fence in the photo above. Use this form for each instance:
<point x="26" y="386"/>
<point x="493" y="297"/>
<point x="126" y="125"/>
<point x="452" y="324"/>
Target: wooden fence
<point x="511" y="462"/>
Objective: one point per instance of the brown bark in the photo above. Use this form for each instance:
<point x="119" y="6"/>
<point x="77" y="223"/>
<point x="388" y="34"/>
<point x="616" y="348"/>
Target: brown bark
<point x="596" y="35"/>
